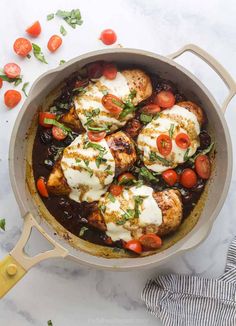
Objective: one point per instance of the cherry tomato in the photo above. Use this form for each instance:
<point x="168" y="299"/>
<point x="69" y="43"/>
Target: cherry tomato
<point x="165" y="99"/>
<point x="46" y="115"/>
<point x="95" y="70"/>
<point x="125" y="177"/>
<point x="108" y="36"/>
<point x="12" y="98"/>
<point x="35" y="29"/>
<point x="109" y="71"/>
<point x="42" y="188"/>
<point x="96" y="136"/>
<point x="164" y="144"/>
<point x="115" y="190"/>
<point x="1" y="82"/>
<point x="54" y="43"/>
<point x="150" y="241"/>
<point x="58" y="133"/>
<point x="112" y="103"/>
<point x="182" y="140"/>
<point x="12" y="70"/>
<point x="188" y="178"/>
<point x="170" y="177"/>
<point x="203" y="166"/>
<point x="151" y="109"/>
<point x="22" y="46"/>
<point x="134" y="245"/>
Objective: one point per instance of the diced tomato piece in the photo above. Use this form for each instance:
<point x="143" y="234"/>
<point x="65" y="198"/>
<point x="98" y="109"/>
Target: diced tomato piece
<point x="22" y="46"/>
<point x="12" y="98"/>
<point x="165" y="99"/>
<point x="170" y="177"/>
<point x="164" y="144"/>
<point x="115" y="190"/>
<point x="134" y="245"/>
<point x="96" y="136"/>
<point x="150" y="241"/>
<point x="46" y="115"/>
<point x="42" y="188"/>
<point x="54" y="43"/>
<point x="12" y="70"/>
<point x="182" y="140"/>
<point x="109" y="71"/>
<point x="58" y="133"/>
<point x="108" y="36"/>
<point x="203" y="166"/>
<point x="35" y="29"/>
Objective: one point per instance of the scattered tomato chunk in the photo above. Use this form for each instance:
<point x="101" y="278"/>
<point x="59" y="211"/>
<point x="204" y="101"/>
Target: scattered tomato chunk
<point x="22" y="46"/>
<point x="35" y="29"/>
<point x="12" y="98"/>
<point x="54" y="43"/>
<point x="150" y="241"/>
<point x="42" y="188"/>
<point x="108" y="36"/>
<point x="134" y="245"/>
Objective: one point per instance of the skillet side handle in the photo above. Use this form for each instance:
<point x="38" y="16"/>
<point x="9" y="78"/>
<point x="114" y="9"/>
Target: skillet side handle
<point x="215" y="65"/>
<point x="14" y="266"/>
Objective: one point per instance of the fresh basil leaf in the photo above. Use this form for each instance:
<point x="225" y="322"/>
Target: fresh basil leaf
<point x="57" y="124"/>
<point x="2" y="224"/>
<point x="171" y="130"/>
<point x="105" y="128"/>
<point x="62" y="62"/>
<point x="24" y="88"/>
<point x="186" y="157"/>
<point x="111" y="197"/>
<point x="145" y="118"/>
<point x="146" y="174"/>
<point x="100" y="148"/>
<point x="202" y="152"/>
<point x="18" y="81"/>
<point x="38" y="53"/>
<point x="63" y="30"/>
<point x="82" y="231"/>
<point x="72" y="17"/>
<point x="154" y="156"/>
<point x="50" y="16"/>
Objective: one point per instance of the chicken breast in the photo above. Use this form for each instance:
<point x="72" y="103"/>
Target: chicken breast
<point x="123" y="152"/>
<point x="71" y="120"/>
<point x="195" y="109"/>
<point x="170" y="204"/>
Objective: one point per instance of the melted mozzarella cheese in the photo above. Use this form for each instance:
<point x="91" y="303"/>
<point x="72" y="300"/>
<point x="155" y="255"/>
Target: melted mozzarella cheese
<point x="89" y="105"/>
<point x="177" y="119"/>
<point x="87" y="178"/>
<point x="119" y="212"/>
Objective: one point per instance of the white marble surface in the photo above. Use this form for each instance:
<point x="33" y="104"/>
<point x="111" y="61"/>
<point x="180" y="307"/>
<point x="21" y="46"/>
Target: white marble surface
<point x="64" y="291"/>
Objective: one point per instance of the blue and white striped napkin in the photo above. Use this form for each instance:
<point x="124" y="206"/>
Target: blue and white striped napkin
<point x="181" y="300"/>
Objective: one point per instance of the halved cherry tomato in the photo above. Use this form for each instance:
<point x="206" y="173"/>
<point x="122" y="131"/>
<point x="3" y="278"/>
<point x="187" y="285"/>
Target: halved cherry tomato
<point x="170" y="177"/>
<point x="182" y="140"/>
<point x="115" y="190"/>
<point x="150" y="241"/>
<point x="108" y="36"/>
<point x="126" y="176"/>
<point x="46" y="115"/>
<point x="134" y="245"/>
<point x="188" y="178"/>
<point x="42" y="188"/>
<point x="54" y="43"/>
<point x="96" y="136"/>
<point x="109" y="71"/>
<point x="165" y="99"/>
<point x="22" y="46"/>
<point x="12" y="98"/>
<point x="95" y="70"/>
<point x="35" y="29"/>
<point x="58" y="133"/>
<point x="112" y="103"/>
<point x="203" y="166"/>
<point x="12" y="70"/>
<point x="151" y="108"/>
<point x="164" y="144"/>
<point x="1" y="82"/>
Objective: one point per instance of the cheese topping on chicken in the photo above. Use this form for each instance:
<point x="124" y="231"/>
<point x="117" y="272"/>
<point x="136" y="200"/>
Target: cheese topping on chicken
<point x="89" y="106"/>
<point x="170" y="122"/>
<point x="133" y="209"/>
<point x="88" y="167"/>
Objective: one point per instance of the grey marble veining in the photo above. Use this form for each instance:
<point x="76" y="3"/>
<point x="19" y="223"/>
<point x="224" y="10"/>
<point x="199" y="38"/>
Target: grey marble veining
<point x="63" y="291"/>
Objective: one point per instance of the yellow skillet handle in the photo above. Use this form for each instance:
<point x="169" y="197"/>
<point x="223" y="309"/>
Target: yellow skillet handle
<point x="215" y="65"/>
<point x="14" y="266"/>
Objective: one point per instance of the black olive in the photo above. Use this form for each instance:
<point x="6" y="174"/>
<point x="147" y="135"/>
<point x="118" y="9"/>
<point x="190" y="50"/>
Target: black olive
<point x="165" y="85"/>
<point x="199" y="186"/>
<point x="49" y="164"/>
<point x="46" y="136"/>
<point x="68" y="215"/>
<point x="186" y="197"/>
<point x="205" y="139"/>
<point x="53" y="152"/>
<point x="179" y="98"/>
<point x="63" y="202"/>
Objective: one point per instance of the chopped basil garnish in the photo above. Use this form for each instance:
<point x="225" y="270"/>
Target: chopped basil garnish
<point x="50" y="16"/>
<point x="132" y="94"/>
<point x="129" y="108"/>
<point x="203" y="152"/>
<point x="62" y="62"/>
<point x="146" y="174"/>
<point x="24" y="88"/>
<point x="85" y="166"/>
<point x="102" y="208"/>
<point x="111" y="197"/>
<point x="171" y="130"/>
<point x="38" y="53"/>
<point x="105" y="92"/>
<point x="118" y="103"/>
<point x="63" y="30"/>
<point x="99" y="160"/>
<point x="16" y="80"/>
<point x="72" y="17"/>
<point x="82" y="231"/>
<point x="154" y="156"/>
<point x="105" y="128"/>
<point x="100" y="148"/>
<point x="145" y="118"/>
<point x="57" y="124"/>
<point x="138" y="200"/>
<point x="2" y="224"/>
<point x="186" y="157"/>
